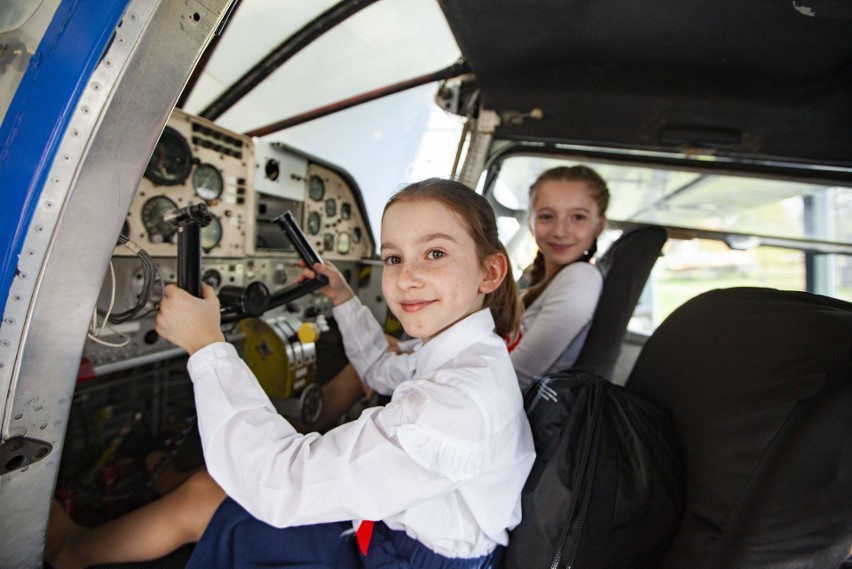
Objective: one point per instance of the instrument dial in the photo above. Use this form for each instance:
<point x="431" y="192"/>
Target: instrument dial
<point x="343" y="243"/>
<point x="316" y="188"/>
<point x="207" y="182"/>
<point x="159" y="230"/>
<point x="330" y="207"/>
<point x="314" y="223"/>
<point x="211" y="234"/>
<point x="171" y="161"/>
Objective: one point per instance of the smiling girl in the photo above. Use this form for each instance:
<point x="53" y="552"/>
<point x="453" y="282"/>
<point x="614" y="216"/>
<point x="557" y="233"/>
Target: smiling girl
<point x="567" y="214"/>
<point x="440" y="468"/>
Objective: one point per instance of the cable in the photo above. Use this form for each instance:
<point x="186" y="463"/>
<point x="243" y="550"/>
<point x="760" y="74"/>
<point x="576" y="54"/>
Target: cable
<point x="150" y="278"/>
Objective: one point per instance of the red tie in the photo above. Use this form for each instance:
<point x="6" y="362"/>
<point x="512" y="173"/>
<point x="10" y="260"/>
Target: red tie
<point x="363" y="535"/>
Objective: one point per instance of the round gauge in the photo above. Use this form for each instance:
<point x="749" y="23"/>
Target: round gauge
<point x="211" y="234"/>
<point x="345" y="210"/>
<point x="207" y="182"/>
<point x="316" y="189"/>
<point x="330" y="207"/>
<point x="314" y="223"/>
<point x="343" y="243"/>
<point x="356" y="235"/>
<point x="212" y="277"/>
<point x="171" y="161"/>
<point x="159" y="230"/>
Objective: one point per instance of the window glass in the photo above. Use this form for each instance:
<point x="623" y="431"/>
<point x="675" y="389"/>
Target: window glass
<point x="385" y="43"/>
<point x="748" y="219"/>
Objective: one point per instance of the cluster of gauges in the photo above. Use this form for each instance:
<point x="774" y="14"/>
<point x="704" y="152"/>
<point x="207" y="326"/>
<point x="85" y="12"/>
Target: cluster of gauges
<point x="170" y="165"/>
<point x="316" y="192"/>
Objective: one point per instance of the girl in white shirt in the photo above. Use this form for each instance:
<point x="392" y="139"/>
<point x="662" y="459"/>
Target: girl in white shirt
<point x="440" y="468"/>
<point x="567" y="214"/>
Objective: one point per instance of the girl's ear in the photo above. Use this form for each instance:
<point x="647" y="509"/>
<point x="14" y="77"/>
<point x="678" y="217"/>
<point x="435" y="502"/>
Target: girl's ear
<point x="496" y="266"/>
<point x="601" y="226"/>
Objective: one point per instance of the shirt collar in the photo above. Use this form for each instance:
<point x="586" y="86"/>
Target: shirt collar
<point x="473" y="329"/>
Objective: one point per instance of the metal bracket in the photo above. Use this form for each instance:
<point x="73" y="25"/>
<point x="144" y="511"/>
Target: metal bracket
<point x="20" y="452"/>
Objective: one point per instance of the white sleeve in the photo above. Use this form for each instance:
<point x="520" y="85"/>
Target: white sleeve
<point x="367" y="349"/>
<point x="371" y="468"/>
<point x="568" y="305"/>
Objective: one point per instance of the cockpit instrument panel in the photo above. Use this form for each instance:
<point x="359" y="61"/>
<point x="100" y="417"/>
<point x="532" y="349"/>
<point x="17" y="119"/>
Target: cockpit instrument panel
<point x="196" y="161"/>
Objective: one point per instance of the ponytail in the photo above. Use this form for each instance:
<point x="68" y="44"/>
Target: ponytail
<point x="504" y="302"/>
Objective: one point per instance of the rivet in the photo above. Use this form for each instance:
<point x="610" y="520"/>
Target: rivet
<point x="122" y="41"/>
<point x="75" y="132"/>
<point x="86" y="110"/>
<point x="19" y="416"/>
<point x="17" y="298"/>
<point x="134" y="17"/>
<point x="108" y="62"/>
<point x="39" y="228"/>
<point x="43" y="426"/>
<point x="2" y="365"/>
<point x="96" y="86"/>
<point x="5" y="343"/>
<point x="24" y="275"/>
<point x="57" y="181"/>
<point x="66" y="157"/>
<point x="9" y="320"/>
<point x="48" y="204"/>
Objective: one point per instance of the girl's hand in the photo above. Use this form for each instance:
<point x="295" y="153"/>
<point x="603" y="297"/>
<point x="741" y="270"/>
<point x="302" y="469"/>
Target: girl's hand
<point x="189" y="322"/>
<point x="337" y="289"/>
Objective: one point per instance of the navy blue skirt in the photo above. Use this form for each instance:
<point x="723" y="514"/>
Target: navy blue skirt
<point x="234" y="538"/>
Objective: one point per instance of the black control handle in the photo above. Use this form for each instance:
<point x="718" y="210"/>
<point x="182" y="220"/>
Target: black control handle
<point x="189" y="221"/>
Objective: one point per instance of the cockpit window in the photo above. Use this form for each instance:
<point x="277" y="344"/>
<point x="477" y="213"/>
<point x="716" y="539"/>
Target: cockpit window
<point x="724" y="230"/>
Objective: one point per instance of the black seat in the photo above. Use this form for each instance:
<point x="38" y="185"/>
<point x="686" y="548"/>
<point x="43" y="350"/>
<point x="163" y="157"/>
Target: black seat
<point x="759" y="386"/>
<point x="625" y="267"/>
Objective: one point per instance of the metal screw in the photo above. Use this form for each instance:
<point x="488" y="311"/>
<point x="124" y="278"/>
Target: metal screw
<point x="9" y="320"/>
<point x="18" y="417"/>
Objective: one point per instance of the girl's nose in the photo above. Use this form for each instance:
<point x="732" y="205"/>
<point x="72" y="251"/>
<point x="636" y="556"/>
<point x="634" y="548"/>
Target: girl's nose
<point x="409" y="275"/>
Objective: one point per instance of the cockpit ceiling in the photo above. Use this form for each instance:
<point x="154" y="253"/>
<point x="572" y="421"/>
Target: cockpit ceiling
<point x="751" y="80"/>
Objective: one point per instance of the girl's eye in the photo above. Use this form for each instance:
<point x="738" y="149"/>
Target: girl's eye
<point x="435" y="254"/>
<point x="544" y="217"/>
<point x="580" y="217"/>
<point x="391" y="260"/>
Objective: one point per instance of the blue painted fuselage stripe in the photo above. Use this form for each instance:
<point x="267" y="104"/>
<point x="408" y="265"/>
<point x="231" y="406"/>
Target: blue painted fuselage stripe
<point x="39" y="113"/>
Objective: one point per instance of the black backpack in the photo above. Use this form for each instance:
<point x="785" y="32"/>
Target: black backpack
<point x="604" y="491"/>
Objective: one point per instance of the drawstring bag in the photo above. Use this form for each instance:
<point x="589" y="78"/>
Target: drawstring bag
<point x="605" y="489"/>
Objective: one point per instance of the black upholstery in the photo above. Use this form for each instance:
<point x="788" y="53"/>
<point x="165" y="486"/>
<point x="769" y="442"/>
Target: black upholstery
<point x="625" y="267"/>
<point x="759" y="385"/>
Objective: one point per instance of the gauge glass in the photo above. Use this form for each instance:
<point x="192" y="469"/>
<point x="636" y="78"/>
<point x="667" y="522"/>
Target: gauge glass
<point x="159" y="230"/>
<point x="314" y="223"/>
<point x="316" y="189"/>
<point x="212" y="277"/>
<point x="345" y="210"/>
<point x="171" y="161"/>
<point x="207" y="182"/>
<point x="211" y="234"/>
<point x="343" y="243"/>
<point x="356" y="235"/>
<point x="330" y="207"/>
<point x="328" y="242"/>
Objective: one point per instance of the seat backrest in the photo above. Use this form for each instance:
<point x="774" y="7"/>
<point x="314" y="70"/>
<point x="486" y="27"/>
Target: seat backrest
<point x="759" y="386"/>
<point x="625" y="267"/>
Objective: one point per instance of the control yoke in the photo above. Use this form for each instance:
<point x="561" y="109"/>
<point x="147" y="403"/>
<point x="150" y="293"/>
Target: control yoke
<point x="239" y="302"/>
<point x="189" y="221"/>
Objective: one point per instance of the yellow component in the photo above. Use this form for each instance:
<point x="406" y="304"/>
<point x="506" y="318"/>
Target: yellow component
<point x="282" y="363"/>
<point x="308" y="332"/>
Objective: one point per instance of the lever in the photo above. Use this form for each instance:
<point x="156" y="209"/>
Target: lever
<point x="189" y="221"/>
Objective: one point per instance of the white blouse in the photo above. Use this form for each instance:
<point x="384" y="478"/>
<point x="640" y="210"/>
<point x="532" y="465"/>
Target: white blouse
<point x="555" y="326"/>
<point x="445" y="461"/>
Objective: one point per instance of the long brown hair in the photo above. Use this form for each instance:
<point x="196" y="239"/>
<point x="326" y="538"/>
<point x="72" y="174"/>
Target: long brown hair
<point x="476" y="213"/>
<point x="600" y="193"/>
